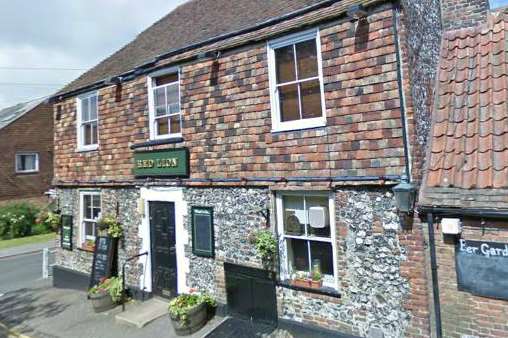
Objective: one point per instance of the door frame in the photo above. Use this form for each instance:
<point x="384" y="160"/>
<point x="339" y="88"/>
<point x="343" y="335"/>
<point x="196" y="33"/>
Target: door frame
<point x="163" y="194"/>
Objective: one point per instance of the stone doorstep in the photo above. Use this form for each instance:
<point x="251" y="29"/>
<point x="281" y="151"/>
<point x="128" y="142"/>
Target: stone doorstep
<point x="141" y="314"/>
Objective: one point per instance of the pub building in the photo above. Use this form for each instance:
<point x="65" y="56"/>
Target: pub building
<point x="464" y="196"/>
<point x="224" y="118"/>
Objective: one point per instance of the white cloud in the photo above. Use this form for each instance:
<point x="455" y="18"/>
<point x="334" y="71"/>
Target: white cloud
<point x="65" y="34"/>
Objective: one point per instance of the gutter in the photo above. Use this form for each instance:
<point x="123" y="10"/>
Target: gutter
<point x="147" y="66"/>
<point x="467" y="212"/>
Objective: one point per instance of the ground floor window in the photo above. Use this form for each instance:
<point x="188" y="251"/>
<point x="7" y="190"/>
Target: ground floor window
<point x="306" y="228"/>
<point x="90" y="212"/>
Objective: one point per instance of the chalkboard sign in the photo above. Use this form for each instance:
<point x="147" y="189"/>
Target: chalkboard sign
<point x="202" y="231"/>
<point x="482" y="268"/>
<point x="66" y="232"/>
<point x="103" y="259"/>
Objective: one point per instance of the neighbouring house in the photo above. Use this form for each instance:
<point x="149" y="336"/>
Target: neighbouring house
<point x="464" y="196"/>
<point x="227" y="117"/>
<point x="26" y="150"/>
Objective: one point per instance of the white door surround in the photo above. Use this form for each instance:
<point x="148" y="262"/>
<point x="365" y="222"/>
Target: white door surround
<point x="163" y="194"/>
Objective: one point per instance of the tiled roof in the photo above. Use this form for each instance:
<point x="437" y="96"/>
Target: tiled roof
<point x="469" y="135"/>
<point x="192" y="22"/>
<point x="11" y="114"/>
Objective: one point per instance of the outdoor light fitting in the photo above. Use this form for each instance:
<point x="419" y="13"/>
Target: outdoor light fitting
<point x="356" y="12"/>
<point x="404" y="196"/>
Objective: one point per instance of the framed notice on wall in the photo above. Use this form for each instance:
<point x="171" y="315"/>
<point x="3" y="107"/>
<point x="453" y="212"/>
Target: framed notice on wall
<point x="203" y="241"/>
<point x="66" y="232"/>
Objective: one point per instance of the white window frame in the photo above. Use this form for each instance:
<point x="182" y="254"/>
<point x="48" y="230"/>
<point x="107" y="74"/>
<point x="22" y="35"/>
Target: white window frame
<point x="284" y="261"/>
<point x="17" y="159"/>
<point x="277" y="124"/>
<point x="151" y="103"/>
<point x="82" y="236"/>
<point x="79" y="129"/>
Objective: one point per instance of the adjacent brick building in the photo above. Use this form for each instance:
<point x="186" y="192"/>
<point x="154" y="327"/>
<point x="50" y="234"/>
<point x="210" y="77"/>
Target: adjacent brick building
<point x="292" y="116"/>
<point x="26" y="150"/>
<point x="464" y="192"/>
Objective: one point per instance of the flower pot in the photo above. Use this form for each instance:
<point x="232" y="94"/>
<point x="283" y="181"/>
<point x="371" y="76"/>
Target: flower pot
<point x="196" y="319"/>
<point x="300" y="282"/>
<point x="316" y="284"/>
<point x="101" y="301"/>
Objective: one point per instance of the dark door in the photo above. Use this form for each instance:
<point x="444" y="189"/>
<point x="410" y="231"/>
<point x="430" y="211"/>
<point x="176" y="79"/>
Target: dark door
<point x="251" y="294"/>
<point x="163" y="252"/>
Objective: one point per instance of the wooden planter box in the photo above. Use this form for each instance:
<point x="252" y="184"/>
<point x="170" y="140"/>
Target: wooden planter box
<point x="300" y="282"/>
<point x="316" y="284"/>
<point x="101" y="301"/>
<point x="196" y="319"/>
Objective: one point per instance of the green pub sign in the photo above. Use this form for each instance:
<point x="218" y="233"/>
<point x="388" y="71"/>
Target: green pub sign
<point x="169" y="163"/>
<point x="66" y="232"/>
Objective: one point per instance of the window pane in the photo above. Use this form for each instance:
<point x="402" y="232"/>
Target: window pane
<point x="306" y="57"/>
<point x="87" y="134"/>
<point x="162" y="126"/>
<point x="93" y="131"/>
<point x="96" y="199"/>
<point x="173" y="99"/>
<point x="87" y="204"/>
<point x="85" y="110"/>
<point x="294" y="215"/>
<point x="165" y="79"/>
<point x="160" y="101"/>
<point x="96" y="213"/>
<point x="90" y="229"/>
<point x="93" y="107"/>
<point x="175" y="124"/>
<point x="298" y="255"/>
<point x="321" y="253"/>
<point x="311" y="99"/>
<point x="29" y="162"/>
<point x="285" y="64"/>
<point x="318" y="215"/>
<point x="289" y="105"/>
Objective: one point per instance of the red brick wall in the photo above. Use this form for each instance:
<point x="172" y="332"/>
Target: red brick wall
<point x="463" y="313"/>
<point x="32" y="132"/>
<point x="463" y="13"/>
<point x="227" y="126"/>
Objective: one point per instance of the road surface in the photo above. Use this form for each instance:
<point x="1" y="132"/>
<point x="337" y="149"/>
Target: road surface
<point x="20" y="271"/>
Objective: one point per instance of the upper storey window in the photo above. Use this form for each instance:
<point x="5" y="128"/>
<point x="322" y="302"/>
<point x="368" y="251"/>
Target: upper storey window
<point x="494" y="4"/>
<point x="164" y="102"/>
<point x="87" y="122"/>
<point x="296" y="82"/>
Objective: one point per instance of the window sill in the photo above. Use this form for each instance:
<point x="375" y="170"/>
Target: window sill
<point x="324" y="290"/>
<point x="157" y="142"/>
<point x="27" y="172"/>
<point x="85" y="249"/>
<point x="299" y="125"/>
<point x="87" y="149"/>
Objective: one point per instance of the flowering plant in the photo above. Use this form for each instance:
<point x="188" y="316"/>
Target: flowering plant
<point x="112" y="286"/>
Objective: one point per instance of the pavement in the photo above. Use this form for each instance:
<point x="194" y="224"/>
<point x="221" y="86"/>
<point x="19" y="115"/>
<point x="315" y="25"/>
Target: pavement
<point x="42" y="311"/>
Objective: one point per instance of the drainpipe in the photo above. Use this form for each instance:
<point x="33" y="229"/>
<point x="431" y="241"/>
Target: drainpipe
<point x="433" y="267"/>
<point x="407" y="155"/>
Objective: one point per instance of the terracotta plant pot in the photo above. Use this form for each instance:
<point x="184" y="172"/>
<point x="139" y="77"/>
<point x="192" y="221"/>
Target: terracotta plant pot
<point x="101" y="301"/>
<point x="302" y="283"/>
<point x="196" y="319"/>
<point x="316" y="284"/>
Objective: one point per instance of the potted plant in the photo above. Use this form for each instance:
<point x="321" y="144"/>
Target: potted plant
<point x="316" y="281"/>
<point x="266" y="247"/>
<point x="189" y="312"/>
<point x="109" y="226"/>
<point x="106" y="295"/>
<point x="301" y="280"/>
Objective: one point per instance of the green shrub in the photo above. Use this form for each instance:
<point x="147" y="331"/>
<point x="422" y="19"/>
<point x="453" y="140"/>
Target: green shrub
<point x="17" y="220"/>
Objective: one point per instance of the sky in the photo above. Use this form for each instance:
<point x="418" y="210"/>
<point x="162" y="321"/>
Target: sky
<point x="46" y="44"/>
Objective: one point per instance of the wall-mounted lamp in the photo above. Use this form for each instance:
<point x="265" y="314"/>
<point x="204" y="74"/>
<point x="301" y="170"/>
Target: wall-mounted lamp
<point x="451" y="226"/>
<point x="356" y="12"/>
<point x="404" y="196"/>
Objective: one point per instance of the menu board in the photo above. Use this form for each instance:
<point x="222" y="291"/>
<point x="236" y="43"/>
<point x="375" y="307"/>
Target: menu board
<point x="103" y="259"/>
<point x="202" y="231"/>
<point x="482" y="268"/>
<point x="66" y="232"/>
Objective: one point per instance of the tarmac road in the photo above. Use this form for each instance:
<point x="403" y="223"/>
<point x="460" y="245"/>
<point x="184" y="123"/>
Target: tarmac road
<point x="20" y="271"/>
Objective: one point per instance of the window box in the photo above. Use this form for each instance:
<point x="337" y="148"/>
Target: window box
<point x="301" y="282"/>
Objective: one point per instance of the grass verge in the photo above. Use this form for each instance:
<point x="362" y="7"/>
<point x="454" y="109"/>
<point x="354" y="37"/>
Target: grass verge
<point x="10" y="243"/>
